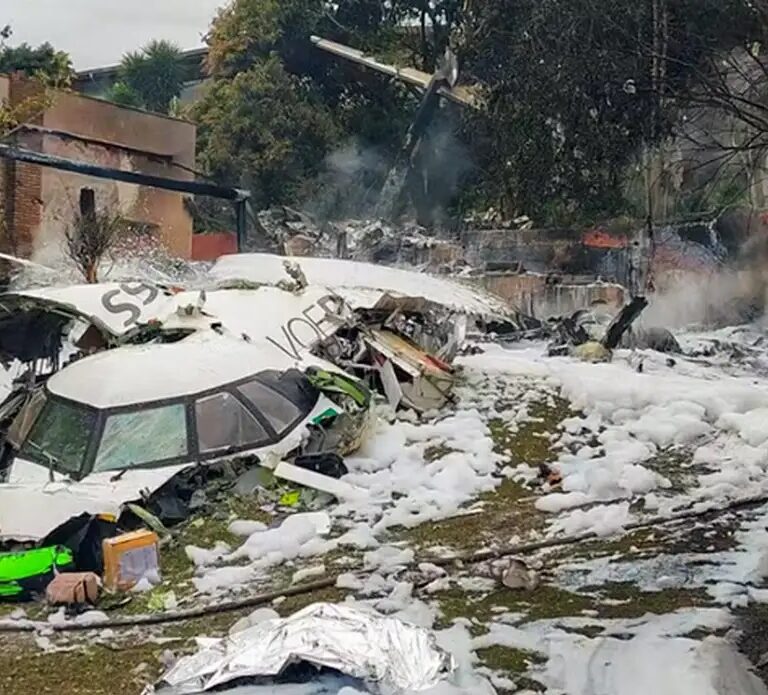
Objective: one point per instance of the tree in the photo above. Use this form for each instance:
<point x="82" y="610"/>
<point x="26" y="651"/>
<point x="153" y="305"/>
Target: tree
<point x="247" y="31"/>
<point x="44" y="62"/>
<point x="263" y="129"/>
<point x="124" y="95"/>
<point x="90" y="237"/>
<point x="583" y="97"/>
<point x="50" y="68"/>
<point x="315" y="103"/>
<point x="577" y="89"/>
<point x="151" y="78"/>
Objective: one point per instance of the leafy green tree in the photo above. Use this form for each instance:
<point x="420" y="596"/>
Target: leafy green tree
<point x="247" y="31"/>
<point x="43" y="62"/>
<point x="50" y="68"/>
<point x="150" y="78"/>
<point x="254" y="41"/>
<point x="264" y="129"/>
<point x="576" y="88"/>
<point x="124" y="95"/>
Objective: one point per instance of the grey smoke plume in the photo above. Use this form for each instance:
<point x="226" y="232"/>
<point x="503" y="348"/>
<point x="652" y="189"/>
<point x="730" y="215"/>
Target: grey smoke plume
<point x="354" y="178"/>
<point x="735" y="294"/>
<point x="349" y="185"/>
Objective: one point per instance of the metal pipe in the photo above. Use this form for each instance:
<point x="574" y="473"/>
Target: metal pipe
<point x="241" y="222"/>
<point x="19" y="154"/>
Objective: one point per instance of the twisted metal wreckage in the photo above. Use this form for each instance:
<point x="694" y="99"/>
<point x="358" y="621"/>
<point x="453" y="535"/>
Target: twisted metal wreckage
<point x="134" y="393"/>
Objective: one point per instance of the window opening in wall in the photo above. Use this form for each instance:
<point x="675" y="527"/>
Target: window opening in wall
<point x="87" y="202"/>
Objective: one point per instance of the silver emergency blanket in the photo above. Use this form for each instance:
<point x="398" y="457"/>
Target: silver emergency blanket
<point x="379" y="650"/>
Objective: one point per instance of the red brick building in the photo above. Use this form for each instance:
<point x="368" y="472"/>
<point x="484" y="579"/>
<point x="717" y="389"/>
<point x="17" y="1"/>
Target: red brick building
<point x="37" y="204"/>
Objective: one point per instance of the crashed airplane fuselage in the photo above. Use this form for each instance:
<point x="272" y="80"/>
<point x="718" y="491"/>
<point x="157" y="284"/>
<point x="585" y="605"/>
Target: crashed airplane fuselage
<point x="116" y="426"/>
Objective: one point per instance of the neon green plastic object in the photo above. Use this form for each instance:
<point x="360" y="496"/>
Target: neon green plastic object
<point x="20" y="570"/>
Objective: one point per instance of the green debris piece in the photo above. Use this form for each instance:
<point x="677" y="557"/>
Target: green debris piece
<point x="325" y="415"/>
<point x="330" y="382"/>
<point x="31" y="563"/>
<point x="28" y="572"/>
<point x="149" y="519"/>
<point x="160" y="601"/>
<point x="290" y="498"/>
<point x="10" y="590"/>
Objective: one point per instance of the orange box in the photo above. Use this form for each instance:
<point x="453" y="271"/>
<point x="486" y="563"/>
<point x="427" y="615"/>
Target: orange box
<point x="128" y="558"/>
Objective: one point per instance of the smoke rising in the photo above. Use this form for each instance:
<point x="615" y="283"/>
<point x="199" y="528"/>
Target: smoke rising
<point x="361" y="181"/>
<point x="735" y="294"/>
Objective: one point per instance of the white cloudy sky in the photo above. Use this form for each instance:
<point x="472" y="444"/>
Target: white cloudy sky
<point x="99" y="32"/>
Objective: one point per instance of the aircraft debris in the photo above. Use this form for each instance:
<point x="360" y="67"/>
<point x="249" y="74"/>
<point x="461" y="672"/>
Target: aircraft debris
<point x="25" y="574"/>
<point x="113" y="428"/>
<point x="284" y="230"/>
<point x="465" y="96"/>
<point x="585" y="334"/>
<point x="129" y="558"/>
<point x="280" y="358"/>
<point x="518" y="576"/>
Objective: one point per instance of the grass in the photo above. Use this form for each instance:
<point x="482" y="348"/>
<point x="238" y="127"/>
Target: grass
<point x="96" y="670"/>
<point x="639" y="603"/>
<point x="436" y="452"/>
<point x="125" y="667"/>
<point x="514" y="664"/>
<point x="549" y="602"/>
<point x="296" y="603"/>
<point x="509" y="510"/>
<point x="675" y="466"/>
<point x="509" y="661"/>
<point x="545" y="602"/>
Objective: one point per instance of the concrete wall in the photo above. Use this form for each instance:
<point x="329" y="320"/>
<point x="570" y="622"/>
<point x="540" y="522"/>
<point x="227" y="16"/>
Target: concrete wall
<point x="551" y="250"/>
<point x="44" y="201"/>
<point x="536" y="295"/>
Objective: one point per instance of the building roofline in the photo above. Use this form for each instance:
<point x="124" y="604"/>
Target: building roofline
<point x="91" y="73"/>
<point x="101" y="100"/>
<point x="82" y="95"/>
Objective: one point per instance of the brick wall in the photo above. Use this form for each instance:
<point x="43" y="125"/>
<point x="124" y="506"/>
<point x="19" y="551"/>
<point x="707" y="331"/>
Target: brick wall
<point x="41" y="203"/>
<point x="209" y="247"/>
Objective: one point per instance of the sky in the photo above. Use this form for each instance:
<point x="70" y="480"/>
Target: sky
<point x="98" y="32"/>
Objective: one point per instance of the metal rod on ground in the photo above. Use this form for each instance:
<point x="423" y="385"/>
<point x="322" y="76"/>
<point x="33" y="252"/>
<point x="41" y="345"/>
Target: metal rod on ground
<point x="519" y="549"/>
<point x="471" y="558"/>
<point x="177" y="616"/>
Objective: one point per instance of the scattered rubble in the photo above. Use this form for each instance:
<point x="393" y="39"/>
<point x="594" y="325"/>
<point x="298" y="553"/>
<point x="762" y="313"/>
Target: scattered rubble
<point x="106" y="436"/>
<point x="289" y="232"/>
<point x="592" y="336"/>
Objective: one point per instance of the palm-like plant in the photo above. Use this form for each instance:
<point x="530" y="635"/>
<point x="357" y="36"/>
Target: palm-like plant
<point x="151" y="77"/>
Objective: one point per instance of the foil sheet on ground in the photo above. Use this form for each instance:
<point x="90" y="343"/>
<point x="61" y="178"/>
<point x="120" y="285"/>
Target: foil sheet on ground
<point x="379" y="650"/>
